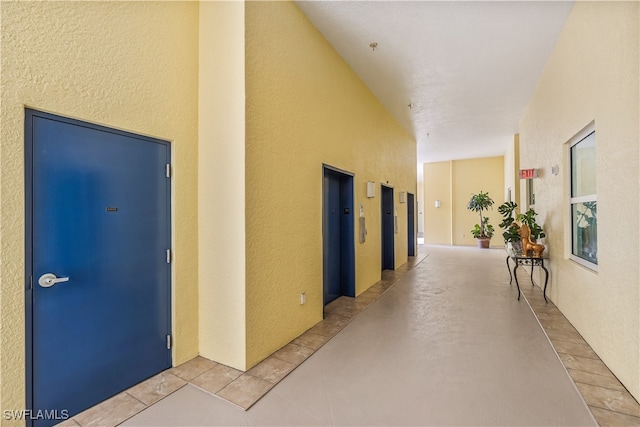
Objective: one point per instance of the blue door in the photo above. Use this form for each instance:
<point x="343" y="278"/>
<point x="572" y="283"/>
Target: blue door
<point x="411" y="225"/>
<point x="98" y="235"/>
<point x="388" y="228"/>
<point x="338" y="235"/>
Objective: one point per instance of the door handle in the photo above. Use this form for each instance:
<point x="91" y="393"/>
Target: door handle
<point x="49" y="279"/>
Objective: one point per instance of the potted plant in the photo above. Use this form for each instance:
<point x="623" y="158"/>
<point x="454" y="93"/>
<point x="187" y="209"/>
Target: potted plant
<point x="511" y="224"/>
<point x="484" y="231"/>
<point x="483" y="235"/>
<point x="529" y="218"/>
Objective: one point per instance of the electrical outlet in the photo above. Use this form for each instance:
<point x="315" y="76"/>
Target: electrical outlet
<point x="303" y="298"/>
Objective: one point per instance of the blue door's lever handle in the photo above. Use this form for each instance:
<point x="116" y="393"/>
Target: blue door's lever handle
<point x="49" y="279"/>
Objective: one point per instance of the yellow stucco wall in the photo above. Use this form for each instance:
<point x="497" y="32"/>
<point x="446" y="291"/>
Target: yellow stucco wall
<point x="437" y="186"/>
<point x="592" y="75"/>
<point x="471" y="176"/>
<point x="221" y="198"/>
<point x="129" y="65"/>
<point x="305" y="108"/>
<point x="455" y="181"/>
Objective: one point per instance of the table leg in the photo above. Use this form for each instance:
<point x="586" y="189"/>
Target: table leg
<point x="516" y="277"/>
<point x="532" y="265"/>
<point x="509" y="270"/>
<point x="546" y="279"/>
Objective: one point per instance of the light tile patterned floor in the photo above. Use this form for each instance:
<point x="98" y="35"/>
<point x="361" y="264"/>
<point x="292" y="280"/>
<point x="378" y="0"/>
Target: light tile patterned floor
<point x="610" y="403"/>
<point x="240" y="388"/>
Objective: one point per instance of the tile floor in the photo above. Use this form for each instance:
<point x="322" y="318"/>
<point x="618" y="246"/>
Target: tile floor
<point x="607" y="399"/>
<point x="243" y="389"/>
<point x="610" y="403"/>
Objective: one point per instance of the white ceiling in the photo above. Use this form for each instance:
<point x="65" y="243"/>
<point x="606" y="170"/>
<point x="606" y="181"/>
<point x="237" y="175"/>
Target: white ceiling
<point x="468" y="68"/>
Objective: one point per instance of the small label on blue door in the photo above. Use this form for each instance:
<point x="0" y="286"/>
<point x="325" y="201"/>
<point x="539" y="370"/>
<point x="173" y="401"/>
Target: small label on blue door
<point x="112" y="209"/>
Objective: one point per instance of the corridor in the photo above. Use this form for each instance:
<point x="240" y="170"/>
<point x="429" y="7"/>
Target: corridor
<point x="447" y="344"/>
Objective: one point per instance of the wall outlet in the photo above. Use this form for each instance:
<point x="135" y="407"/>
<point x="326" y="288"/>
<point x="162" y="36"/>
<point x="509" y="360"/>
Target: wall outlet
<point x="303" y="298"/>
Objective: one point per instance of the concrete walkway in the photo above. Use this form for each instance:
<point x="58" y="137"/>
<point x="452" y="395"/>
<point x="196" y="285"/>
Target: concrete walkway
<point x="448" y="344"/>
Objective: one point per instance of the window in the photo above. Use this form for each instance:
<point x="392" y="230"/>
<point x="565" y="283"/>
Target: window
<point x="584" y="221"/>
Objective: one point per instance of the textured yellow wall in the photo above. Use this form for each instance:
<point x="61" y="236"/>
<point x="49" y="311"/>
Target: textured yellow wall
<point x="470" y="177"/>
<point x="593" y="74"/>
<point x="130" y="65"/>
<point x="437" y="186"/>
<point x="221" y="186"/>
<point x="456" y="181"/>
<point x="306" y="107"/>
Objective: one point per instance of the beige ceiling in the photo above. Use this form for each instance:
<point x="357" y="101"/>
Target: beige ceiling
<point x="468" y="69"/>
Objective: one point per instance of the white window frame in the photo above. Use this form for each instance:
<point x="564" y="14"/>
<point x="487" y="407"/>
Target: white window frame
<point x="588" y="130"/>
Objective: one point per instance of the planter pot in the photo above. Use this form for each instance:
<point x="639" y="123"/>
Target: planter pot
<point x="483" y="242"/>
<point x="516" y="247"/>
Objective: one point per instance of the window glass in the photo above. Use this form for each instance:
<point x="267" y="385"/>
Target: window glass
<point x="584" y="220"/>
<point x="585" y="231"/>
<point x="583" y="167"/>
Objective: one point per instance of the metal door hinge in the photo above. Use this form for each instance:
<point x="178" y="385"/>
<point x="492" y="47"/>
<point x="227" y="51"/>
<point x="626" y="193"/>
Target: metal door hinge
<point x="168" y="170"/>
<point x="168" y="256"/>
<point x="30" y="283"/>
<point x="168" y="342"/>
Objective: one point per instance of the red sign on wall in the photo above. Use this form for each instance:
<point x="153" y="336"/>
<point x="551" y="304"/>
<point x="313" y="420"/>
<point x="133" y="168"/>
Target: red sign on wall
<point x="528" y="173"/>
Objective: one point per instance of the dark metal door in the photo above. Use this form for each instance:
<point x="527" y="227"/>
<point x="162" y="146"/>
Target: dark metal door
<point x="388" y="228"/>
<point x="98" y="202"/>
<point x="338" y="239"/>
<point x="411" y="225"/>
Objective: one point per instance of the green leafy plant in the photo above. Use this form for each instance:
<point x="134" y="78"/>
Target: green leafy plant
<point x="529" y="218"/>
<point x="509" y="224"/>
<point x="488" y="230"/>
<point x="479" y="203"/>
<point x="511" y="219"/>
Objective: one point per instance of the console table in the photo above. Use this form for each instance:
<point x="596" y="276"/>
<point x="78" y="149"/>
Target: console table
<point x="521" y="259"/>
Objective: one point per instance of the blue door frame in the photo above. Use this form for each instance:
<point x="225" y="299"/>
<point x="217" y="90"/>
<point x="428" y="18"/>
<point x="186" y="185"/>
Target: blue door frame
<point x="411" y="225"/>
<point x="338" y="252"/>
<point x="98" y="211"/>
<point x="388" y="228"/>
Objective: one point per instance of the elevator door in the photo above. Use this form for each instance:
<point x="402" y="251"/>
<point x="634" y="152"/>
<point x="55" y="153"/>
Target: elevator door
<point x="411" y="225"/>
<point x="338" y="239"/>
<point x="388" y="228"/>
